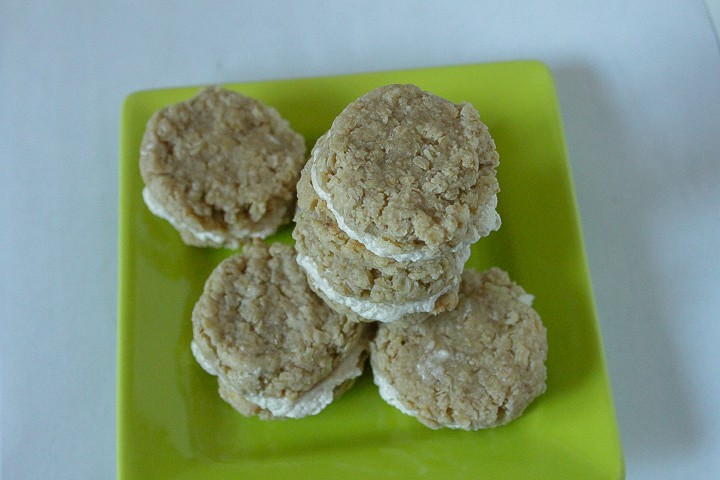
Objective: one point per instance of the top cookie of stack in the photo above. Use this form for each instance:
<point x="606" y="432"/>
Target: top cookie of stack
<point x="402" y="184"/>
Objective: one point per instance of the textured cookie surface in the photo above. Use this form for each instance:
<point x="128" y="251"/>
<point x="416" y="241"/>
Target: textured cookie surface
<point x="352" y="271"/>
<point x="221" y="167"/>
<point x="478" y="366"/>
<point x="406" y="170"/>
<point x="277" y="349"/>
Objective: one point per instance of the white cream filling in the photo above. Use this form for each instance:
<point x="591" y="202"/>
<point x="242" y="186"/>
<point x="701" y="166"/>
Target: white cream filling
<point x="390" y="395"/>
<point x="488" y="215"/>
<point x="462" y="258"/>
<point x="156" y="208"/>
<point x="202" y="359"/>
<point x="309" y="403"/>
<point x="527" y="299"/>
<point x="489" y="219"/>
<point x="319" y="397"/>
<point x="381" y="312"/>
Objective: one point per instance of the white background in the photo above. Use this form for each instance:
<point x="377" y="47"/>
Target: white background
<point x="639" y="87"/>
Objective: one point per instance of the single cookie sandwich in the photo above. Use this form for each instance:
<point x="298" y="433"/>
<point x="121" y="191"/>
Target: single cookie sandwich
<point x="354" y="280"/>
<point x="478" y="366"/>
<point x="408" y="174"/>
<point x="278" y="351"/>
<point x="221" y="168"/>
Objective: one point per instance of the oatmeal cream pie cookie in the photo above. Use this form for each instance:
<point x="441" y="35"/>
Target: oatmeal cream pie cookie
<point x="476" y="367"/>
<point x="221" y="168"/>
<point x="352" y="279"/>
<point x="408" y="174"/>
<point x="278" y="351"/>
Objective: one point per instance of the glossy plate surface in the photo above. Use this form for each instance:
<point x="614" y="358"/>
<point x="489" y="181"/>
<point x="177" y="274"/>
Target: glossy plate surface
<point x="173" y="425"/>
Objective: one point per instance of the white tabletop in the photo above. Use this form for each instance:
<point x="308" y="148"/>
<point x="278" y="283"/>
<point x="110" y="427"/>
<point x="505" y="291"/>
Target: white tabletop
<point x="639" y="87"/>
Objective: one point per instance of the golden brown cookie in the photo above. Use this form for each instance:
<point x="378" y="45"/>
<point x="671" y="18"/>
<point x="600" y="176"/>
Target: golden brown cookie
<point x="278" y="351"/>
<point x="221" y="168"/>
<point x="408" y="174"/>
<point x="475" y="367"/>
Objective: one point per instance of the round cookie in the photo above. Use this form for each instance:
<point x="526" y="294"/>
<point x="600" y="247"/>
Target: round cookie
<point x="408" y="174"/>
<point x="476" y="367"/>
<point x="221" y="168"/>
<point x="375" y="288"/>
<point x="278" y="351"/>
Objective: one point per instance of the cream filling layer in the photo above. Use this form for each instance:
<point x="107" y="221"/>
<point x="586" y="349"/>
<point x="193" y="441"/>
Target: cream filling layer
<point x="381" y="312"/>
<point x="390" y="395"/>
<point x="310" y="402"/>
<point x="204" y="236"/>
<point x="489" y="218"/>
<point x="202" y="359"/>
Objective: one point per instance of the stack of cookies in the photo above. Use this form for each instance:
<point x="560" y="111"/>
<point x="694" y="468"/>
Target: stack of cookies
<point x="392" y="198"/>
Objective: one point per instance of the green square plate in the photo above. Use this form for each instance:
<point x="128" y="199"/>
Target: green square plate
<point x="173" y="424"/>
